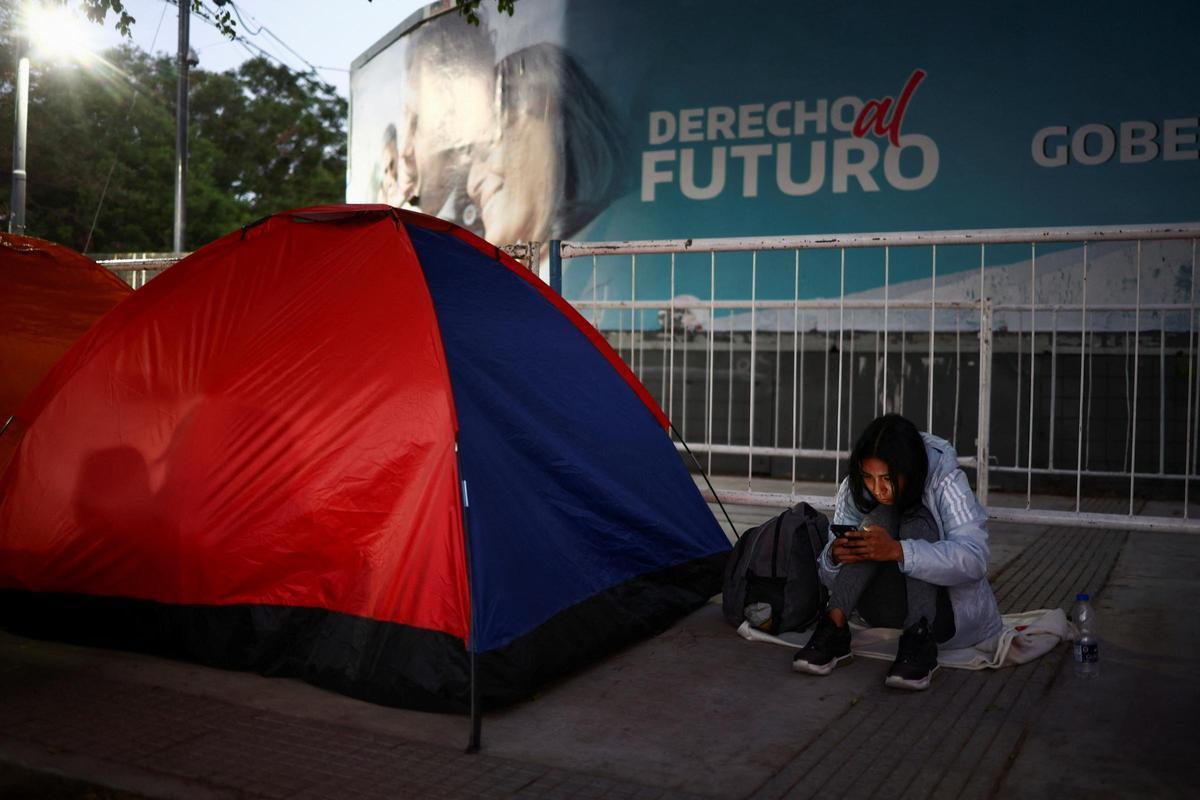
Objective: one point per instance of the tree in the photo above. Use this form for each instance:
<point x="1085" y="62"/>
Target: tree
<point x="97" y="145"/>
<point x="97" y="11"/>
<point x="287" y="130"/>
<point x="470" y="8"/>
<point x="262" y="138"/>
<point x="101" y="151"/>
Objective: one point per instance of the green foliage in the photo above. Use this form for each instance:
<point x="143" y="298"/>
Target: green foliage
<point x="261" y="139"/>
<point x="281" y="133"/>
<point x="97" y="11"/>
<point x="470" y="8"/>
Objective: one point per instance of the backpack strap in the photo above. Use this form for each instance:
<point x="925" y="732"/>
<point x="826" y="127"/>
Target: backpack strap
<point x="818" y="534"/>
<point x="815" y="523"/>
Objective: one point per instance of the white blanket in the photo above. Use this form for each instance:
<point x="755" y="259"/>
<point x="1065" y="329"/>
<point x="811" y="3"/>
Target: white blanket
<point x="1025" y="637"/>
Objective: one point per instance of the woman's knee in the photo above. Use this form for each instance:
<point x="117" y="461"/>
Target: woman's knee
<point x="919" y="526"/>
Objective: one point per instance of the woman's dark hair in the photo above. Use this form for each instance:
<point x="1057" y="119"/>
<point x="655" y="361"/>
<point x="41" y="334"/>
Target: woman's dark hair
<point x="896" y="442"/>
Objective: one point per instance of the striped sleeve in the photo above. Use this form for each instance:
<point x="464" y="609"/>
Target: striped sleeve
<point x="962" y="554"/>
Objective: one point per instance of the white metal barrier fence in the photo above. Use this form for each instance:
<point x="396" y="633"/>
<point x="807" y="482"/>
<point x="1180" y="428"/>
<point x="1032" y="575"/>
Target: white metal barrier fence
<point x="137" y="268"/>
<point x="1042" y="355"/>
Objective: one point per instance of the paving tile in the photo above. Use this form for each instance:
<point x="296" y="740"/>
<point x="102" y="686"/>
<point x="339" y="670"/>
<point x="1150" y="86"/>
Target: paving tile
<point x="956" y="740"/>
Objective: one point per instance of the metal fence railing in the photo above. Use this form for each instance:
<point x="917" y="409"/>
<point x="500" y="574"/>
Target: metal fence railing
<point x="137" y="268"/>
<point x="1057" y="361"/>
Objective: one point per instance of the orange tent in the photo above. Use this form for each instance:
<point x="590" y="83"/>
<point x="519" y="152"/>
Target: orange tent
<point x="49" y="296"/>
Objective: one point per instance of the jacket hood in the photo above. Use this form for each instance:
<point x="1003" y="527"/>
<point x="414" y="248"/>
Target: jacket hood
<point x="942" y="459"/>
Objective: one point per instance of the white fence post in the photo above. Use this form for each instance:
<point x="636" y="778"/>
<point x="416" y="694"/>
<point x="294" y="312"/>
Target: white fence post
<point x="983" y="435"/>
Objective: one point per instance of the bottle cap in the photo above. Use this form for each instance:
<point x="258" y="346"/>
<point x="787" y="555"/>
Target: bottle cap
<point x="1082" y="596"/>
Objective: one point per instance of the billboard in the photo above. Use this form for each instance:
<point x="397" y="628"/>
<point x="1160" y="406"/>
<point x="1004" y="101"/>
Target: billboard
<point x="601" y="120"/>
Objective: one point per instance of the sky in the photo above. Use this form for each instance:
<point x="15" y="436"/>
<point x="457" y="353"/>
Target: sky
<point x="327" y="34"/>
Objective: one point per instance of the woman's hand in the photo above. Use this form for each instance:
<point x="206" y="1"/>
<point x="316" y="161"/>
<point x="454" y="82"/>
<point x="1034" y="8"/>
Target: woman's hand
<point x="870" y="544"/>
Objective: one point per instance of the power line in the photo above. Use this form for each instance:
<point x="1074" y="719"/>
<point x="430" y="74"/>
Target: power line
<point x="238" y="12"/>
<point x="254" y="49"/>
<point x="246" y="43"/>
<point x="264" y="29"/>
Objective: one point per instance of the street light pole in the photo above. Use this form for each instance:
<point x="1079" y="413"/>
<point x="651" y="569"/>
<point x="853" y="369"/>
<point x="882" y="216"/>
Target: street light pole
<point x="181" y="124"/>
<point x="16" y="218"/>
<point x="50" y="27"/>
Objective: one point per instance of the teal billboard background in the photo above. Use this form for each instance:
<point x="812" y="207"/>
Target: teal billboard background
<point x="996" y="75"/>
<point x="1019" y="114"/>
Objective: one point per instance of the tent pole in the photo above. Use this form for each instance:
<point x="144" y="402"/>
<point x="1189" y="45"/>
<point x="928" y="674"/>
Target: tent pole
<point x="704" y="475"/>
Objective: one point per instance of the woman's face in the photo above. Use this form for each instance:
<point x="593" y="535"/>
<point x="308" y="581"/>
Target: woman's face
<point x="513" y="178"/>
<point x="880" y="482"/>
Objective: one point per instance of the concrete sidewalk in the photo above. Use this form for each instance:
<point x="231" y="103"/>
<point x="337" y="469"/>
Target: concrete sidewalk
<point x="695" y="712"/>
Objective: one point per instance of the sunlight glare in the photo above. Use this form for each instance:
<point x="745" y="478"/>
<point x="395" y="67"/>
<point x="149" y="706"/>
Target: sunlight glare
<point x="57" y="31"/>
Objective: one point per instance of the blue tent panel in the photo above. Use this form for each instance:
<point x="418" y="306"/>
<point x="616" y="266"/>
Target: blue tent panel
<point x="573" y="487"/>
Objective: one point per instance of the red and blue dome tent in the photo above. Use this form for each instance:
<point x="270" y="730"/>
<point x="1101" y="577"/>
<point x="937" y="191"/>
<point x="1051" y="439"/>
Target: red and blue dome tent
<point x="359" y="446"/>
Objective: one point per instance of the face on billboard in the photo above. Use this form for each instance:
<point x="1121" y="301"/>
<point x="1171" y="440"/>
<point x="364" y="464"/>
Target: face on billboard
<point x="447" y="111"/>
<point x="516" y="208"/>
<point x="397" y="179"/>
<point x="523" y="149"/>
<point x="419" y="107"/>
<point x="516" y="174"/>
<point x="554" y="157"/>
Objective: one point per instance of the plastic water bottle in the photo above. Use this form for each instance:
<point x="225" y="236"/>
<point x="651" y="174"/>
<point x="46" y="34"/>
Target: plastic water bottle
<point x="1087" y="646"/>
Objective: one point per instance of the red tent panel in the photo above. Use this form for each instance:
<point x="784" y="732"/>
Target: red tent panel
<point x="331" y="496"/>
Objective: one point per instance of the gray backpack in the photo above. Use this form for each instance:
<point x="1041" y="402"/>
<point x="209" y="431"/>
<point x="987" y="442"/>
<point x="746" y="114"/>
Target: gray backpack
<point x="771" y="577"/>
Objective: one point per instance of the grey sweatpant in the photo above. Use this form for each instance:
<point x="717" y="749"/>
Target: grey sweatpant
<point x="877" y="590"/>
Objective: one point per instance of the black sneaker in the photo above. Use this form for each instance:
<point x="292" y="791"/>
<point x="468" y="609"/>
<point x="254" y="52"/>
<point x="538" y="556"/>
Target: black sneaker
<point x="827" y="647"/>
<point x="916" y="659"/>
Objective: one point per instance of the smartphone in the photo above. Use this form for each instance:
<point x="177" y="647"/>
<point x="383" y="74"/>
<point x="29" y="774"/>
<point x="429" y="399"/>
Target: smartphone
<point x="840" y="531"/>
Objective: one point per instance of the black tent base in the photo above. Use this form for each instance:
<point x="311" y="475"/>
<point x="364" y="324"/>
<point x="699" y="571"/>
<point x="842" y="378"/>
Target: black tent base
<point x="380" y="662"/>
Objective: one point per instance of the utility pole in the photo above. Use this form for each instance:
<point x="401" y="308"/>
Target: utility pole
<point x="181" y="125"/>
<point x="16" y="218"/>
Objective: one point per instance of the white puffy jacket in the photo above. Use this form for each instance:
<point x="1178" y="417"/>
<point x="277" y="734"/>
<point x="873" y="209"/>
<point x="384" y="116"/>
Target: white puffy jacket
<point x="958" y="561"/>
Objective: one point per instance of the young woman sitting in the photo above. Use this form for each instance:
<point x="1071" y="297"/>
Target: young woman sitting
<point x="915" y="559"/>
